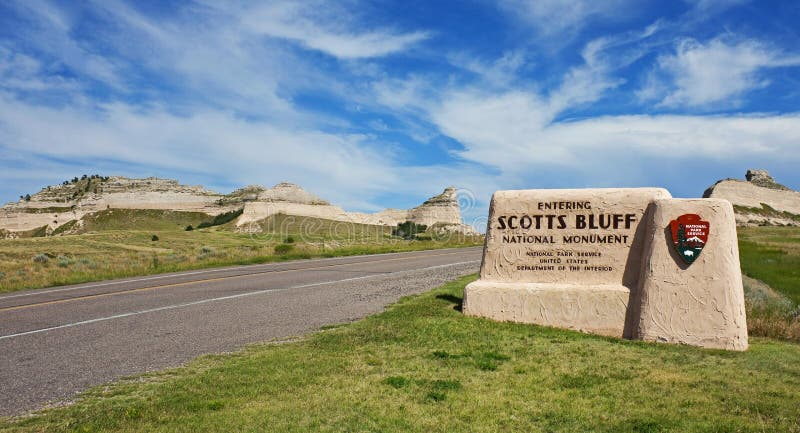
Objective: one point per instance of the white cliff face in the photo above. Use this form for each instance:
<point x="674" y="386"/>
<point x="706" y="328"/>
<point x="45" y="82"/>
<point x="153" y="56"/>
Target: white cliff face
<point x="441" y="210"/>
<point x="750" y="196"/>
<point x="58" y="204"/>
<point x="286" y="192"/>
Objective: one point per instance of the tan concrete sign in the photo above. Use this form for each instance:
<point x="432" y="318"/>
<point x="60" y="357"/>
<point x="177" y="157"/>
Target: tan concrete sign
<point x="582" y="259"/>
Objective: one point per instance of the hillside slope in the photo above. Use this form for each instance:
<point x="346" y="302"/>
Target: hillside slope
<point x="759" y="200"/>
<point x="64" y="208"/>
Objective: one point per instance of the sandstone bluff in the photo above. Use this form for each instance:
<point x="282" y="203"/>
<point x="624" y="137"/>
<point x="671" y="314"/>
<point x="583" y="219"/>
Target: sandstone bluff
<point x="759" y="200"/>
<point x="57" y="205"/>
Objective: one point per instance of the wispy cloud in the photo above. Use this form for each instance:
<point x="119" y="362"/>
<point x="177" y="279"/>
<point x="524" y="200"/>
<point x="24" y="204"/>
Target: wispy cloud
<point x="501" y="72"/>
<point x="718" y="71"/>
<point x="513" y="133"/>
<point x="556" y="17"/>
<point x="20" y="72"/>
<point x="307" y="24"/>
<point x="50" y="32"/>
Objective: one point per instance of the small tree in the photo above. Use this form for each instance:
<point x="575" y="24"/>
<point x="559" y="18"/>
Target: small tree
<point x="27" y="197"/>
<point x="408" y="230"/>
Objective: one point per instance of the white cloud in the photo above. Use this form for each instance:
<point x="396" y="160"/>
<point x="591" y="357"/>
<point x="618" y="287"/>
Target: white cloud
<point x="699" y="75"/>
<point x="558" y="17"/>
<point x="211" y="142"/>
<point x="20" y="72"/>
<point x="502" y="72"/>
<point x="349" y="170"/>
<point x="585" y="83"/>
<point x="51" y="34"/>
<point x="513" y="133"/>
<point x="305" y="23"/>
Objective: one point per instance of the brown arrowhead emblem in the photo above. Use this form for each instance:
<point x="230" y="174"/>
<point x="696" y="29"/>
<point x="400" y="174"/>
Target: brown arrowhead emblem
<point x="689" y="236"/>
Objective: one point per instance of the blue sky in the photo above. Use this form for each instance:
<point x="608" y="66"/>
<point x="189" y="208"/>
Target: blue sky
<point x="381" y="104"/>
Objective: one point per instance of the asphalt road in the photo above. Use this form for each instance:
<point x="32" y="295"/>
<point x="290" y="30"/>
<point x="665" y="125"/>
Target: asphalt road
<point x="57" y="342"/>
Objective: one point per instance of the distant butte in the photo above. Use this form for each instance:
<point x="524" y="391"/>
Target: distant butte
<point x="56" y="205"/>
<point x="759" y="200"/>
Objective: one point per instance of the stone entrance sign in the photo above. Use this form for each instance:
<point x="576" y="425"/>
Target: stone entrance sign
<point x="583" y="259"/>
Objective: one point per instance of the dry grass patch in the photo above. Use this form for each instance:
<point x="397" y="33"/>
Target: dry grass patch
<point x="110" y="252"/>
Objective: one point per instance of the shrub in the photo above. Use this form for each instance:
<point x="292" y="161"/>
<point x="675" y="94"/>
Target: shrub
<point x="282" y="249"/>
<point x="41" y="258"/>
<point x="206" y="250"/>
<point x="64" y="261"/>
<point x="221" y="219"/>
<point x="2" y="275"/>
<point x="408" y="230"/>
<point x="288" y="240"/>
<point x="154" y="238"/>
<point x="189" y="228"/>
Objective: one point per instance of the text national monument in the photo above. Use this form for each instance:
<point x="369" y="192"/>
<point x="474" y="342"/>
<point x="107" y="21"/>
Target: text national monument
<point x="628" y="262"/>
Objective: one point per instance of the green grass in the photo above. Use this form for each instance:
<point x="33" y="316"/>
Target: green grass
<point x="772" y="255"/>
<point x="766" y="211"/>
<point x="51" y="209"/>
<point x="138" y="219"/>
<point x="319" y="230"/>
<point x="221" y="219"/>
<point x="423" y="366"/>
<point x="113" y="244"/>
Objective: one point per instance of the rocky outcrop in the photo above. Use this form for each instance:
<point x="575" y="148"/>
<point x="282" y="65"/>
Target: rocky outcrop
<point x="286" y="192"/>
<point x="763" y="179"/>
<point x="56" y="205"/>
<point x="759" y="200"/>
<point x="441" y="211"/>
<point x="242" y="195"/>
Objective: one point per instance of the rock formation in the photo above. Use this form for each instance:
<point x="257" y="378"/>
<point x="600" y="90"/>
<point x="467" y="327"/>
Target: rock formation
<point x="56" y="205"/>
<point x="759" y="200"/>
<point x="440" y="212"/>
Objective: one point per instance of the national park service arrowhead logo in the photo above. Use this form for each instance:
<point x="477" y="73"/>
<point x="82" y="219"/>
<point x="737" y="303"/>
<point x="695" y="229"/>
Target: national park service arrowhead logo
<point x="689" y="235"/>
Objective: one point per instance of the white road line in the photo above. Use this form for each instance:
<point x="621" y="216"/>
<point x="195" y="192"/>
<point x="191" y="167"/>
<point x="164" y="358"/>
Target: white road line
<point x="224" y="298"/>
<point x="206" y="271"/>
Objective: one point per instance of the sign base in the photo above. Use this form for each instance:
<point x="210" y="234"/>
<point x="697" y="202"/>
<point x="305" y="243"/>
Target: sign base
<point x="594" y="309"/>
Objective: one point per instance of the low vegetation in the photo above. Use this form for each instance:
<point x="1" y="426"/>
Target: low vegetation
<point x="221" y="219"/>
<point x="767" y="211"/>
<point x="121" y="243"/>
<point x="771" y="257"/>
<point x="423" y="366"/>
<point x="409" y="230"/>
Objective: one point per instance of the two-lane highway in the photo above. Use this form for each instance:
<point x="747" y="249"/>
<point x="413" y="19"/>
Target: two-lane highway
<point x="59" y="341"/>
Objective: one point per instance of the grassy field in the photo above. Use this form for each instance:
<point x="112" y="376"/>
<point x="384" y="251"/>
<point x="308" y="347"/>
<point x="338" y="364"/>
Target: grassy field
<point x="422" y="366"/>
<point x="772" y="255"/>
<point x="110" y="246"/>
